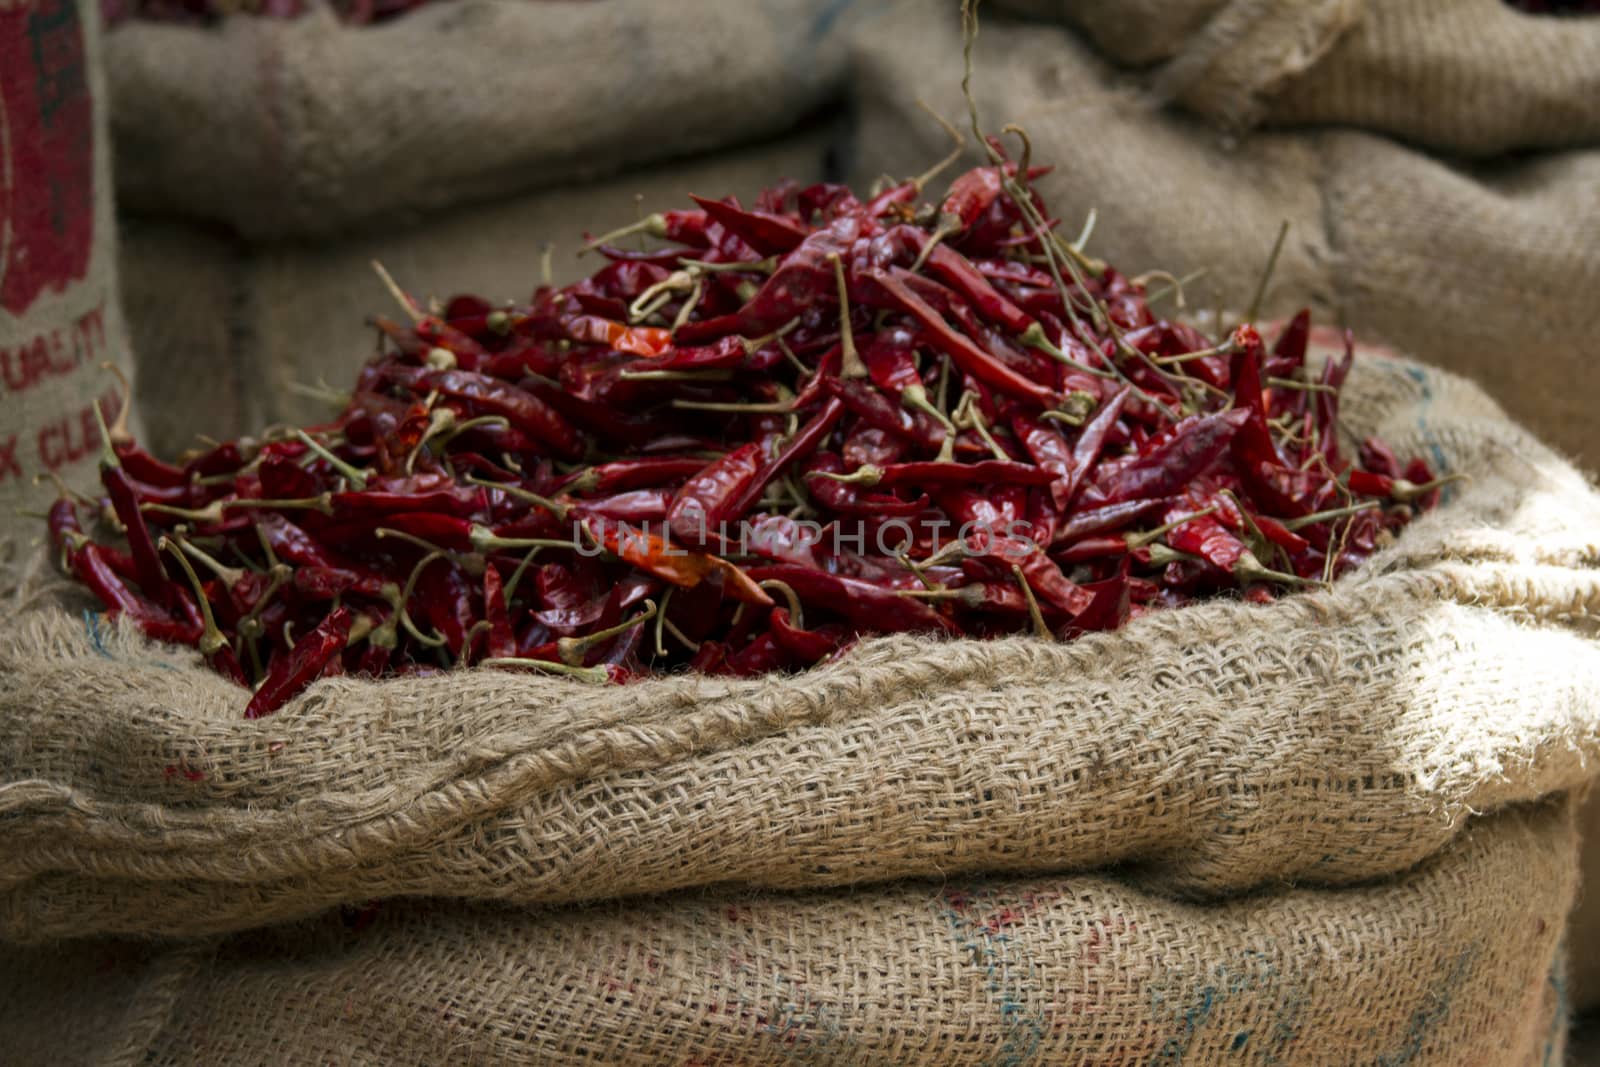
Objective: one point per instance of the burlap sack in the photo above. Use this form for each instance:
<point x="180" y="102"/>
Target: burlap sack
<point x="312" y="127"/>
<point x="1485" y="268"/>
<point x="1328" y="738"/>
<point x="1465" y="77"/>
<point x="1452" y="964"/>
<point x="228" y="330"/>
<point x="59" y="316"/>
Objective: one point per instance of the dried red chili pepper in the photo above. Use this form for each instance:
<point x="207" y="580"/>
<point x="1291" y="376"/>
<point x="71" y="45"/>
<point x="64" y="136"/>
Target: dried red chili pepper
<point x="291" y="674"/>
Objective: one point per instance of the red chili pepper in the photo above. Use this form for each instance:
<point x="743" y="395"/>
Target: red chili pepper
<point x="1107" y="518"/>
<point x="291" y="674"/>
<point x="437" y="333"/>
<point x="763" y="231"/>
<point x="805" y="646"/>
<point x="844" y="499"/>
<point x="864" y="604"/>
<point x="146" y="468"/>
<point x="649" y="472"/>
<point x="706" y="502"/>
<point x="650" y="554"/>
<point x="993" y="471"/>
<point x="801" y="445"/>
<point x="966" y="355"/>
<point x="1108" y="605"/>
<point x="878" y="410"/>
<point x="1194" y="446"/>
<point x="153" y="578"/>
<point x="804" y="278"/>
<point x="639" y="340"/>
<point x="959" y="273"/>
<point x="637" y="505"/>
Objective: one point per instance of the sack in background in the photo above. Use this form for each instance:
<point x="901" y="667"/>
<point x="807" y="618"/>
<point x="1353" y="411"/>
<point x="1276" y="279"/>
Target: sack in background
<point x="59" y="315"/>
<point x="1487" y="267"/>
<point x="227" y="329"/>
<point x="315" y="128"/>
<point x="1453" y="963"/>
<point x="1474" y="78"/>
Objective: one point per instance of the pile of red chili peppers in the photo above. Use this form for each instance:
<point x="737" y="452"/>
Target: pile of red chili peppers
<point x="792" y="424"/>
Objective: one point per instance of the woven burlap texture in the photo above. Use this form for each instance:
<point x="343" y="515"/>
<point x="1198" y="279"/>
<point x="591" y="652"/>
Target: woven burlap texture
<point x="1465" y="77"/>
<point x="1328" y="738"/>
<point x="1454" y="964"/>
<point x="314" y="128"/>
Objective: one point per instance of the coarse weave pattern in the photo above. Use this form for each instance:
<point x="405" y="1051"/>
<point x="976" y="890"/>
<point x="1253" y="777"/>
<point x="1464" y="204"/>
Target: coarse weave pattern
<point x="316" y="129"/>
<point x="1466" y="77"/>
<point x="1454" y="964"/>
<point x="1328" y="738"/>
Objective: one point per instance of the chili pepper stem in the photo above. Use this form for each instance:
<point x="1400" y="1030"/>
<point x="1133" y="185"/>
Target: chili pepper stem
<point x="404" y="599"/>
<point x="63" y="489"/>
<point x="1248" y="568"/>
<point x="967" y="416"/>
<point x="212" y="512"/>
<point x="790" y="597"/>
<point x="867" y="474"/>
<point x="278" y="573"/>
<point x="1227" y="348"/>
<point x="760" y="266"/>
<point x="1404" y="492"/>
<point x="1324" y="516"/>
<point x="915" y="397"/>
<point x="212" y="639"/>
<point x="1266" y="274"/>
<point x="850" y="364"/>
<point x="959" y="145"/>
<point x="356" y="477"/>
<point x="573" y="649"/>
<point x="486" y="540"/>
<point x="231" y="575"/>
<point x="118" y="434"/>
<point x="1145" y="537"/>
<point x="439" y="420"/>
<point x="1035" y="337"/>
<point x="971" y="595"/>
<point x="711" y="374"/>
<point x="555" y="507"/>
<point x="1082" y="240"/>
<point x="1034" y="614"/>
<point x="653" y="225"/>
<point x="592" y="675"/>
<point x="401" y="297"/>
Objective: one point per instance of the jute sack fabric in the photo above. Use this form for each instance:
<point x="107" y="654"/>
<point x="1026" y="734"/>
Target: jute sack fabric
<point x="1454" y="963"/>
<point x="59" y="315"/>
<point x="1486" y="266"/>
<point x="1329" y="738"/>
<point x="314" y="128"/>
<point x="1463" y="77"/>
<point x="227" y="330"/>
